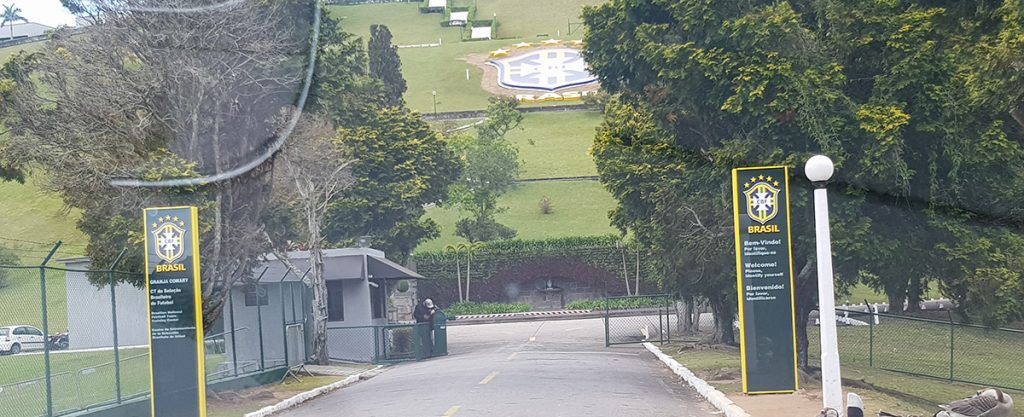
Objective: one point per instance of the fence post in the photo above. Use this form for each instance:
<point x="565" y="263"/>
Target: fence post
<point x="231" y="316"/>
<point x="46" y="329"/>
<point x="113" y="318"/>
<point x="951" y="331"/>
<point x="607" y="338"/>
<point x="259" y="317"/>
<point x="871" y="341"/>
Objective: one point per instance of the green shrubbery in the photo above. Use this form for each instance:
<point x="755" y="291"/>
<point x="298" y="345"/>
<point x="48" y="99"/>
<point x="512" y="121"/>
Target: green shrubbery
<point x="615" y="304"/>
<point x="469" y="307"/>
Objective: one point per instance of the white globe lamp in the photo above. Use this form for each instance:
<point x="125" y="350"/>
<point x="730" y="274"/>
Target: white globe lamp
<point x="819" y="168"/>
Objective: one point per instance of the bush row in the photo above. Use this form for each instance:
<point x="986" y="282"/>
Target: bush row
<point x="469" y="307"/>
<point x="615" y="304"/>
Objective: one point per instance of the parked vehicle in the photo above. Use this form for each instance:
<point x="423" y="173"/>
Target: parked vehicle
<point x="59" y="341"/>
<point x="21" y="338"/>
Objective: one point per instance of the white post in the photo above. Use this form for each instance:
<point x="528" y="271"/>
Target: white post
<point x="832" y="390"/>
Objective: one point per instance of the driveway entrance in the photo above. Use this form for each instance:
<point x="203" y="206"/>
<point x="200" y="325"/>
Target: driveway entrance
<point x="548" y="368"/>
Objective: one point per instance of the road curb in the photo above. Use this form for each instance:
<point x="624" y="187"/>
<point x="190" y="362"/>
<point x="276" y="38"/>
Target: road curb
<point x="309" y="395"/>
<point x="712" y="395"/>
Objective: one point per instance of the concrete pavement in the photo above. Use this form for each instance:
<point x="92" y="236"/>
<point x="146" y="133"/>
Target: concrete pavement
<point x="556" y="368"/>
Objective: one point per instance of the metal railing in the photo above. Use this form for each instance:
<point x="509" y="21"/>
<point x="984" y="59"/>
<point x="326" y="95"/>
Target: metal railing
<point x="942" y="349"/>
<point x="638" y="319"/>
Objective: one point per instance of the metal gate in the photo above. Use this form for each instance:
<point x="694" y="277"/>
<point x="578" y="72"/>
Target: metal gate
<point x="638" y="319"/>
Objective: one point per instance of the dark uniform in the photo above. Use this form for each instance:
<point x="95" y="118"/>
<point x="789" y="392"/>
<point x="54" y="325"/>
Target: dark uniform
<point x="425" y="326"/>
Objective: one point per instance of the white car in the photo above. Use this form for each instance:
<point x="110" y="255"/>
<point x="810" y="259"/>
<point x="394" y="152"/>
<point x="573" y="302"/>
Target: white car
<point x="20" y="338"/>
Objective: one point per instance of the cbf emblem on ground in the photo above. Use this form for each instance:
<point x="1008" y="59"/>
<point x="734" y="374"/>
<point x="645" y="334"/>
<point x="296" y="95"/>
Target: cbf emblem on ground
<point x="762" y="195"/>
<point x="169" y="235"/>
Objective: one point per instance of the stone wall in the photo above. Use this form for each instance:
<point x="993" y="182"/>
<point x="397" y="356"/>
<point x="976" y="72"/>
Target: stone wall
<point x="401" y="304"/>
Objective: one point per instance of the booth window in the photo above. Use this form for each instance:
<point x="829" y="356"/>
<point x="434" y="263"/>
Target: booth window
<point x="335" y="301"/>
<point x="377" y="298"/>
<point x="256" y="295"/>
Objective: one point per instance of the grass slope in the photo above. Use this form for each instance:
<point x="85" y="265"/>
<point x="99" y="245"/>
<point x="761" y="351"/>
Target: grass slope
<point x="33" y="219"/>
<point x="580" y="209"/>
<point x="407" y="25"/>
<point x="560" y="144"/>
<point x="6" y="53"/>
<point x="530" y="19"/>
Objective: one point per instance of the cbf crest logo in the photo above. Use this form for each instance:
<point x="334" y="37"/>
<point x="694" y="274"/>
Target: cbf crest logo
<point x="762" y="198"/>
<point x="169" y="236"/>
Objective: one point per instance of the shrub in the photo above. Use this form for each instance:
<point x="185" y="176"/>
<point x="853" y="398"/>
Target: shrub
<point x="545" y="206"/>
<point x="468" y="307"/>
<point x="615" y="304"/>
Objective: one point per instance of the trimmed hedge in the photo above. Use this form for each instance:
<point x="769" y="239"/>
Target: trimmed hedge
<point x="616" y="304"/>
<point x="498" y="268"/>
<point x="469" y="307"/>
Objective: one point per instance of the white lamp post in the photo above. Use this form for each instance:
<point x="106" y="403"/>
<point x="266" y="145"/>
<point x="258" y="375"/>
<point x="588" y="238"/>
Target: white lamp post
<point x="819" y="169"/>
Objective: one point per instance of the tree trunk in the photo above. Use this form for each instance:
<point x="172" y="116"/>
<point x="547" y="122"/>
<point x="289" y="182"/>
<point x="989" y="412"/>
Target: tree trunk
<point x="914" y="291"/>
<point x="320" y="354"/>
<point x="458" y="277"/>
<point x="896" y="301"/>
<point x="625" y="271"/>
<point x="469" y="258"/>
<point x="636" y="285"/>
<point x="723" y="313"/>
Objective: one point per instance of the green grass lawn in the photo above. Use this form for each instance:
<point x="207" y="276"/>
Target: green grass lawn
<point x="20" y="300"/>
<point x="560" y="144"/>
<point x="529" y="18"/>
<point x="32" y="215"/>
<point x="924" y="348"/>
<point x="6" y="53"/>
<point x="407" y="25"/>
<point x="881" y="389"/>
<point x="580" y="209"/>
<point x="79" y="379"/>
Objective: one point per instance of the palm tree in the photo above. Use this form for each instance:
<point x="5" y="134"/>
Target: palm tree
<point x="456" y="250"/>
<point x="472" y="247"/>
<point x="12" y="14"/>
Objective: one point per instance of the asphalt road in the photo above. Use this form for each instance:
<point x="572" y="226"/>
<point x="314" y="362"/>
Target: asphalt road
<point x="548" y="369"/>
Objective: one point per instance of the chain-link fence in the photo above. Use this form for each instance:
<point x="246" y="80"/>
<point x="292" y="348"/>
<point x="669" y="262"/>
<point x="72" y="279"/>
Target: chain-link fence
<point x="74" y="338"/>
<point x="935" y="348"/>
<point x="638" y="319"/>
<point x="378" y="344"/>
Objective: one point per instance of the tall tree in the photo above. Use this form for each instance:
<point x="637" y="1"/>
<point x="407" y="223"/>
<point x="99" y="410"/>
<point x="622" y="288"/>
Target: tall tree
<point x="884" y="89"/>
<point x="403" y="165"/>
<point x="492" y="168"/>
<point x="12" y="14"/>
<point x="385" y="65"/>
<point x="161" y="95"/>
<point x="313" y="170"/>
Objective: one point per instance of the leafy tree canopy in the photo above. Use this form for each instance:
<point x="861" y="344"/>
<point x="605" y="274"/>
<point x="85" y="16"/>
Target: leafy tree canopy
<point x="912" y="100"/>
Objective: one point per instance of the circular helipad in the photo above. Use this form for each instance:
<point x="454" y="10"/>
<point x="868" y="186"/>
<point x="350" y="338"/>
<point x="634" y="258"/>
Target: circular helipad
<point x="546" y="69"/>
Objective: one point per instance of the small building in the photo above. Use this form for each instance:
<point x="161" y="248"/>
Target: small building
<point x="265" y="323"/>
<point x="23" y="30"/>
<point x="458" y="18"/>
<point x="480" y="32"/>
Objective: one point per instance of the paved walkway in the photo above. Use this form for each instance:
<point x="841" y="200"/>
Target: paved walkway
<point x="549" y="369"/>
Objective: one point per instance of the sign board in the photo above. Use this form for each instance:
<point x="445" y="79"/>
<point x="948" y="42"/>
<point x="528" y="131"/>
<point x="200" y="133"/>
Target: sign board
<point x="176" y="358"/>
<point x="764" y="276"/>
